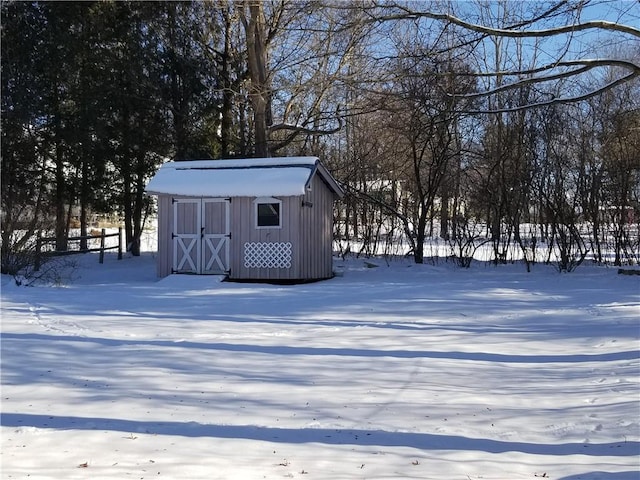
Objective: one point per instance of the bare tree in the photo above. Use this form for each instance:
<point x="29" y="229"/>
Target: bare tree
<point x="620" y="140"/>
<point x="258" y="35"/>
<point x="559" y="21"/>
<point x="299" y="57"/>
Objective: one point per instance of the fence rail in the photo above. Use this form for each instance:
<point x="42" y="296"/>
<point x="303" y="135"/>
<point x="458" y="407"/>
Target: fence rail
<point x="43" y="241"/>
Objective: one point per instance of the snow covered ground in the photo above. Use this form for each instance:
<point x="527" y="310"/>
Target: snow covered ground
<point x="395" y="372"/>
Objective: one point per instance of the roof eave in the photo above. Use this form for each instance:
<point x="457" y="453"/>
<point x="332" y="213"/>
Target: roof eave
<point x="329" y="180"/>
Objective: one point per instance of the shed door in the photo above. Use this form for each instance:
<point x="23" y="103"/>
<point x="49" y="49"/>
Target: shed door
<point x="215" y="235"/>
<point x="201" y="236"/>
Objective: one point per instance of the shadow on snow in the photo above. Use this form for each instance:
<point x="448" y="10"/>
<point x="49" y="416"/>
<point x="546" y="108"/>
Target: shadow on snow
<point x="322" y="351"/>
<point x="422" y="441"/>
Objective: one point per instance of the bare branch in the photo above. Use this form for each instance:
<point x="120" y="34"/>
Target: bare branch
<point x="407" y="13"/>
<point x="553" y="71"/>
<point x="305" y="130"/>
<point x="563" y="100"/>
<point x="585" y="65"/>
<point x="295" y="130"/>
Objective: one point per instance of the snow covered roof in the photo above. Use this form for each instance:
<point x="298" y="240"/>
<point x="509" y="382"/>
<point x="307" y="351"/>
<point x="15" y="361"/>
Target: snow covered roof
<point x="251" y="177"/>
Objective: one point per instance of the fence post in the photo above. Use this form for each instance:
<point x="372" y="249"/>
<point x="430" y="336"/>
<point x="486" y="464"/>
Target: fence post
<point x="36" y="265"/>
<point x="102" y="246"/>
<point x="119" y="243"/>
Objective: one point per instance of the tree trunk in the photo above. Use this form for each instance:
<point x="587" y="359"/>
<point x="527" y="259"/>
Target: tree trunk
<point x="258" y="87"/>
<point x="61" y="197"/>
<point x="444" y="212"/>
<point x="84" y="203"/>
<point x="226" y="121"/>
<point x="418" y="252"/>
<point x="138" y="208"/>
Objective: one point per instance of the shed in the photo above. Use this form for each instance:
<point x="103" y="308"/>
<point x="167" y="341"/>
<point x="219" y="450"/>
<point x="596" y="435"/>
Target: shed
<point x="250" y="219"/>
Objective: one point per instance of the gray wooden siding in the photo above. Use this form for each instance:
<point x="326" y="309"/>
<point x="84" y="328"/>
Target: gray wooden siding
<point x="165" y="247"/>
<point x="317" y="232"/>
<point x="243" y="230"/>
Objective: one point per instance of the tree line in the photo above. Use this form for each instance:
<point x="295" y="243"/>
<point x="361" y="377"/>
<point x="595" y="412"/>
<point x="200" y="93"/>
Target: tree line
<point x="509" y="124"/>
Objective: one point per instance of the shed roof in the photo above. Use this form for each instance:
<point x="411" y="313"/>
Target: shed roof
<point x="251" y="177"/>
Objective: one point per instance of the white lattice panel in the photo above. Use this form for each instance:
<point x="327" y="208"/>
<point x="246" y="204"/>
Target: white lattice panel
<point x="267" y="255"/>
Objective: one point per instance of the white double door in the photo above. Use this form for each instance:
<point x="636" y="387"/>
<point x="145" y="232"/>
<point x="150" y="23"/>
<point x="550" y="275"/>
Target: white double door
<point x="201" y="235"/>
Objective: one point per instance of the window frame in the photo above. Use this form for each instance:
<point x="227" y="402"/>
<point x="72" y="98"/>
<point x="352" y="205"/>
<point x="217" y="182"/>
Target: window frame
<point x="268" y="201"/>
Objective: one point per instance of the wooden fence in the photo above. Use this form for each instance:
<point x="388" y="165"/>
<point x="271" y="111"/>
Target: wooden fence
<point x="42" y="241"/>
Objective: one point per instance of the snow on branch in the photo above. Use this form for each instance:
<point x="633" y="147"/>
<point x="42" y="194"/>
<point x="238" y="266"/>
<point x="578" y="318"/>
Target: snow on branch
<point x="514" y="32"/>
<point x="295" y="130"/>
<point x="584" y="65"/>
<point x="305" y="130"/>
<point x="561" y="100"/>
<point x="524" y="29"/>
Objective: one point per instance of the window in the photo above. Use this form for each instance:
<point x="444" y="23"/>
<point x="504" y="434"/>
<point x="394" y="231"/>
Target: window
<point x="268" y="212"/>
